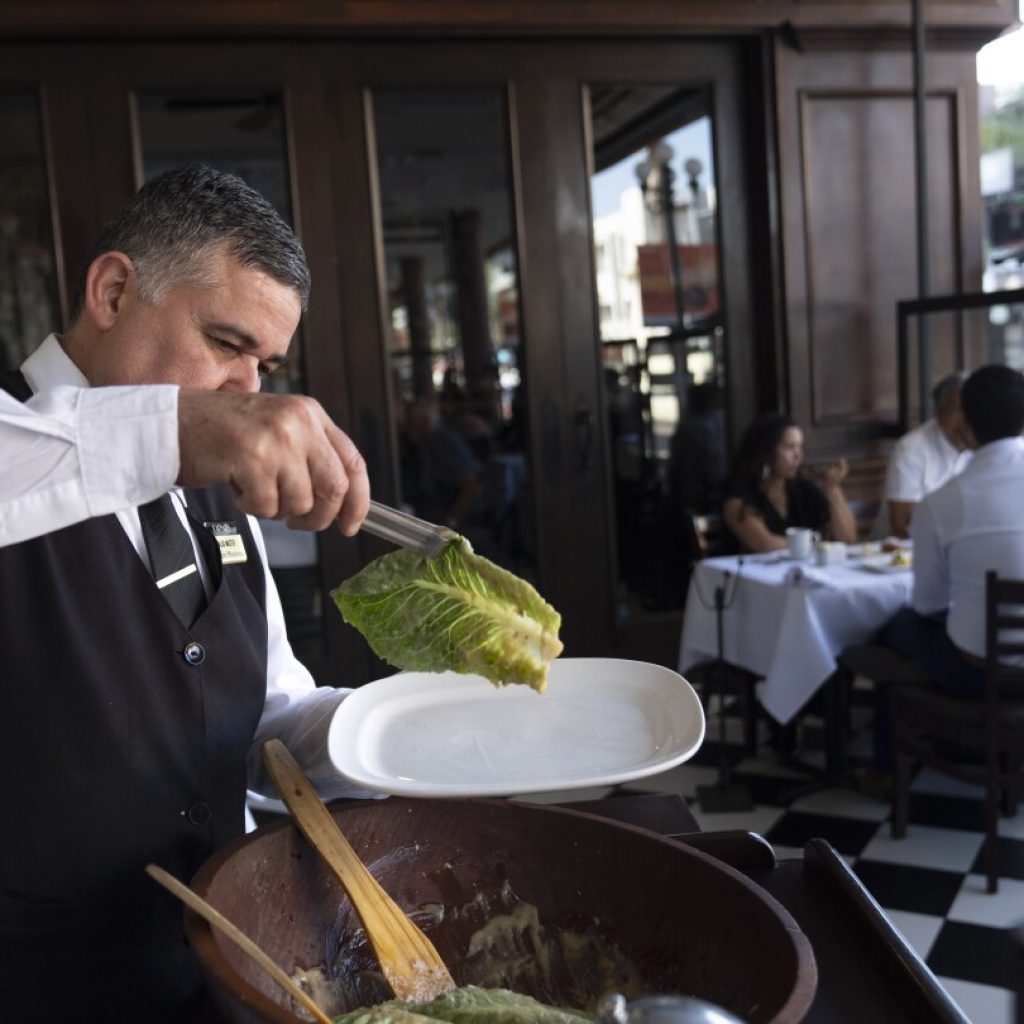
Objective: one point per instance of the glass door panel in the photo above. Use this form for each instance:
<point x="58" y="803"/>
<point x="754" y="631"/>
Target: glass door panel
<point x="29" y="292"/>
<point x="656" y="259"/>
<point x="456" y="366"/>
<point x="244" y="134"/>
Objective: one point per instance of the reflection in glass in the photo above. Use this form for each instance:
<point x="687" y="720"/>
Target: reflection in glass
<point x="453" y="296"/>
<point x="661" y="334"/>
<point x="29" y="295"/>
<point x="244" y="135"/>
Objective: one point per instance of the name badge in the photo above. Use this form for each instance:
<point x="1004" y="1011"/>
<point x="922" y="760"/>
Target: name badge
<point x="232" y="547"/>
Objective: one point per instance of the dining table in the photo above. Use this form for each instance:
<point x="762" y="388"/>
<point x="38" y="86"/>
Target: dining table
<point x="786" y="619"/>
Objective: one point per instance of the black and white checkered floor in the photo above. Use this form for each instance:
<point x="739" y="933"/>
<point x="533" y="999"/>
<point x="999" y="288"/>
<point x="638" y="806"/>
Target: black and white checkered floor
<point x="930" y="883"/>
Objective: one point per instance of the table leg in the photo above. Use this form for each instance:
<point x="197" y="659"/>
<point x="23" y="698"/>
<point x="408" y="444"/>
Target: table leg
<point x="835" y="694"/>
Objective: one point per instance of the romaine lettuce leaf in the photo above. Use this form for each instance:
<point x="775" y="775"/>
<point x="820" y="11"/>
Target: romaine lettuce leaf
<point x="466" y="1005"/>
<point x="456" y="611"/>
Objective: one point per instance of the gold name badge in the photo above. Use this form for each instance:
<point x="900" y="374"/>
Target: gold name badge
<point x="232" y="547"/>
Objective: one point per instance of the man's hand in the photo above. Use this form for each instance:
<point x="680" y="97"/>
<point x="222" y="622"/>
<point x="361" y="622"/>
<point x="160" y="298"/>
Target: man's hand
<point x="282" y="455"/>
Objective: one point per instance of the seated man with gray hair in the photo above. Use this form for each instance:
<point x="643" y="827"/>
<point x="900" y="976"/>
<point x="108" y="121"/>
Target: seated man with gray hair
<point x="927" y="456"/>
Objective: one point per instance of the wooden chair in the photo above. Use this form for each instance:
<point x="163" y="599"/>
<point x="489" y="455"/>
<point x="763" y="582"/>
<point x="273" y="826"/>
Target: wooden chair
<point x="993" y="726"/>
<point x="868" y="661"/>
<point x="707" y="538"/>
<point x="865" y="512"/>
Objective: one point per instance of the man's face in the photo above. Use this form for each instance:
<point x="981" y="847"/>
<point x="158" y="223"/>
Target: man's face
<point x="951" y="419"/>
<point x="221" y="336"/>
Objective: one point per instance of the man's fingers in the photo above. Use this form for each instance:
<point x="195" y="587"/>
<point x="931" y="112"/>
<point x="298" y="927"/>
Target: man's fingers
<point x="326" y="488"/>
<point x="256" y="493"/>
<point x="282" y="455"/>
<point x="356" y="500"/>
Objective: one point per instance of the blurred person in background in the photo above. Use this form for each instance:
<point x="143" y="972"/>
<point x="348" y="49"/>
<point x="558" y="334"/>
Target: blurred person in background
<point x="697" y="460"/>
<point x="440" y="477"/>
<point x="970" y="525"/>
<point x="767" y="493"/>
<point x="927" y="456"/>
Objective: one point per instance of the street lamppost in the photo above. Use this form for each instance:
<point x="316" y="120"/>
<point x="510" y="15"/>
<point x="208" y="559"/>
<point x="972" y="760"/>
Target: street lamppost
<point x="694" y="168"/>
<point x="656" y="183"/>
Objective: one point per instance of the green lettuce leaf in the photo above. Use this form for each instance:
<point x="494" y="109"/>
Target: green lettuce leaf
<point x="455" y="611"/>
<point x="466" y="1005"/>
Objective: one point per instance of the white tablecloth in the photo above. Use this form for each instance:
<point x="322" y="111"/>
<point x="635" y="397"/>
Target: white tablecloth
<point x="787" y="620"/>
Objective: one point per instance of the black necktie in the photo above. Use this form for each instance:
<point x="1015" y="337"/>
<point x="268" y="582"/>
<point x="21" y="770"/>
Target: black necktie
<point x="173" y="559"/>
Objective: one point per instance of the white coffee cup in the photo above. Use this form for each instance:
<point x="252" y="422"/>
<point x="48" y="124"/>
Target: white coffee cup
<point x="831" y="552"/>
<point x="801" y="541"/>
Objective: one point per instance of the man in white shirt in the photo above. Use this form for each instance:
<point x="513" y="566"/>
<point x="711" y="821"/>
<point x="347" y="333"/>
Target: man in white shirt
<point x="970" y="525"/>
<point x="927" y="456"/>
<point x="72" y="453"/>
<point x="135" y="726"/>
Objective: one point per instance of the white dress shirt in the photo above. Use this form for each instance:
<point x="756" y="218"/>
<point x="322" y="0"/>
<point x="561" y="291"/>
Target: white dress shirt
<point x="58" y="461"/>
<point x="971" y="524"/>
<point x="921" y="462"/>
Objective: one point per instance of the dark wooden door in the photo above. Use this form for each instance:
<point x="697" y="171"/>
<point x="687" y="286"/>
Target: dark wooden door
<point x="547" y="89"/>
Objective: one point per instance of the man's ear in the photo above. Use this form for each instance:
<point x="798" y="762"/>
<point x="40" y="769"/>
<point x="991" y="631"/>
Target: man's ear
<point x="106" y="284"/>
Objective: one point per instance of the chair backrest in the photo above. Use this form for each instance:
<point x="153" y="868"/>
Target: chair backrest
<point x="1004" y="623"/>
<point x="865" y="513"/>
<point x="707" y="534"/>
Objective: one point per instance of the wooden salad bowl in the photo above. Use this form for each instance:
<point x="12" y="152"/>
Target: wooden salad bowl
<point x="557" y="904"/>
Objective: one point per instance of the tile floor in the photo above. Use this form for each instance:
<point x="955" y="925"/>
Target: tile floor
<point x="930" y="883"/>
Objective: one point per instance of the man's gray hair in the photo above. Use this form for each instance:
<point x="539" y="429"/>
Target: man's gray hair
<point x="946" y="389"/>
<point x="175" y="223"/>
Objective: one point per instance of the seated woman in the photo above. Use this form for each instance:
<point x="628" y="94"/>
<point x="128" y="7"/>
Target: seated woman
<point x="766" y="493"/>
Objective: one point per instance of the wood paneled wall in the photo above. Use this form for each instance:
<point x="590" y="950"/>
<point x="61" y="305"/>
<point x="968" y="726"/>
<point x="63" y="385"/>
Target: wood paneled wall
<point x="848" y="225"/>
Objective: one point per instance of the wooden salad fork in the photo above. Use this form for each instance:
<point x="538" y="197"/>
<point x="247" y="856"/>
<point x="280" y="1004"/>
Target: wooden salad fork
<point x="410" y="963"/>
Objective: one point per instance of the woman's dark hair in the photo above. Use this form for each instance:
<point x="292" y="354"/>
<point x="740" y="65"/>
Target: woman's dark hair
<point x="993" y="402"/>
<point x="170" y="228"/>
<point x="757" y="446"/>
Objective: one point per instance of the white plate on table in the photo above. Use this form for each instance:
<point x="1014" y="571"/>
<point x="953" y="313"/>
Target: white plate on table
<point x="883" y="563"/>
<point x="601" y="721"/>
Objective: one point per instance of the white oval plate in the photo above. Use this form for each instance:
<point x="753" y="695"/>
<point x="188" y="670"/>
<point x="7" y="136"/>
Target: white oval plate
<point x="601" y="721"/>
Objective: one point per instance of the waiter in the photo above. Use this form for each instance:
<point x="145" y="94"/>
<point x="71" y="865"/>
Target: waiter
<point x="144" y="652"/>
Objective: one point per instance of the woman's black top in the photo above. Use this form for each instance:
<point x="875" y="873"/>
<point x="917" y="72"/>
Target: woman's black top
<point x="806" y="501"/>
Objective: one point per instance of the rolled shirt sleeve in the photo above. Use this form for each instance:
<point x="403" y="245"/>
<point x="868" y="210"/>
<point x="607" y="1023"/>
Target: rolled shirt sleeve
<point x="904" y="474"/>
<point x="70" y="453"/>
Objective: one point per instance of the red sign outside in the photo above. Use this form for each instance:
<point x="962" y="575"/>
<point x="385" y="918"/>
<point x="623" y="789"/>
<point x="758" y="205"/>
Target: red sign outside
<point x="699" y="265"/>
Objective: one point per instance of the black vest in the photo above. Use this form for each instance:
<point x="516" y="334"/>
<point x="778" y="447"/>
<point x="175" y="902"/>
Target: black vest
<point x="116" y="750"/>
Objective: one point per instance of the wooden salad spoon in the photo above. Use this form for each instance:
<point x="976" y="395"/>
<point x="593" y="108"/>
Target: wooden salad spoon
<point x="410" y="963"/>
<point x="210" y="913"/>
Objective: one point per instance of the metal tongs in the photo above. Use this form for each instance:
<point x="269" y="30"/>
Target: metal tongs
<point x="426" y="539"/>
